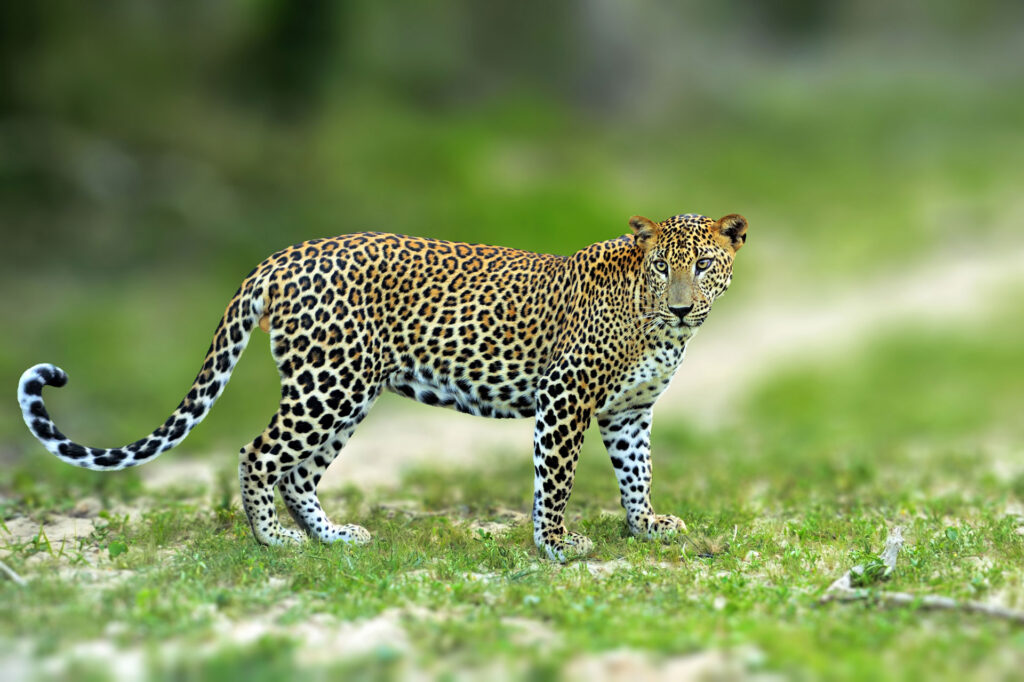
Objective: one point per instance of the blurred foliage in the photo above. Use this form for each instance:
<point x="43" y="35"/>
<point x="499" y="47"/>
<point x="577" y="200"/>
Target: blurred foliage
<point x="152" y="153"/>
<point x="206" y="135"/>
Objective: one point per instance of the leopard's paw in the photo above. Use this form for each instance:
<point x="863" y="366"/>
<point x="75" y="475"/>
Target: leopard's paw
<point x="570" y="545"/>
<point x="279" y="535"/>
<point x="353" y="534"/>
<point x="659" y="526"/>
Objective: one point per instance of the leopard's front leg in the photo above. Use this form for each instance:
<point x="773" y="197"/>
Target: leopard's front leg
<point x="627" y="436"/>
<point x="562" y="418"/>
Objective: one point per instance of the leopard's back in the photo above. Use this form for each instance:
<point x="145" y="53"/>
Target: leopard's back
<point x="465" y="326"/>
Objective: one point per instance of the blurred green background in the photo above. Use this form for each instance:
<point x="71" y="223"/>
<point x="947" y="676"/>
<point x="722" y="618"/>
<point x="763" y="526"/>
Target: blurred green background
<point x="867" y="363"/>
<point x="152" y="153"/>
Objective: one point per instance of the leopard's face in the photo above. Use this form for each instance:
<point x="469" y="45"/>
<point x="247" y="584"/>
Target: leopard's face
<point x="687" y="264"/>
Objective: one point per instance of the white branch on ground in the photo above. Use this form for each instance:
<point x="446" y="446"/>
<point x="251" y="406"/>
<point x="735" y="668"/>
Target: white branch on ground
<point x="843" y="590"/>
<point x="17" y="579"/>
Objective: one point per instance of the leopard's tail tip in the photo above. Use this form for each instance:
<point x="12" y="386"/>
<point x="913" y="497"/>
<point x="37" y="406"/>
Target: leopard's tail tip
<point x="34" y="378"/>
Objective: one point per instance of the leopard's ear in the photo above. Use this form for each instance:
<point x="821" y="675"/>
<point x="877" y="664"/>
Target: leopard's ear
<point x="731" y="231"/>
<point x="647" y="232"/>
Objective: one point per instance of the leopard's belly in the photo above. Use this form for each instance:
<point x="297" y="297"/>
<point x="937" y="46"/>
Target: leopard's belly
<point x="498" y="396"/>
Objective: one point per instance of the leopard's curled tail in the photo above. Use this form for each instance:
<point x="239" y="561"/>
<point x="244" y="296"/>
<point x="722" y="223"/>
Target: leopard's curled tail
<point x="229" y="340"/>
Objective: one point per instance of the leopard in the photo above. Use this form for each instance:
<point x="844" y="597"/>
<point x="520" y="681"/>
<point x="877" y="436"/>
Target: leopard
<point x="486" y="330"/>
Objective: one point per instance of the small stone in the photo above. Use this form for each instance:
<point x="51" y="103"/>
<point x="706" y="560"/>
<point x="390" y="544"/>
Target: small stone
<point x="86" y="508"/>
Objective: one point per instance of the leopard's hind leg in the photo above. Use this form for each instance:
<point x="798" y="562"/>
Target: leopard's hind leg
<point x="259" y="470"/>
<point x="292" y="453"/>
<point x="298" y="488"/>
<point x="330" y="376"/>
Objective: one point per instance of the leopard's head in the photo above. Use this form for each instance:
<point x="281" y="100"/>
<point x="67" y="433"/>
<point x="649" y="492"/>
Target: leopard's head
<point x="687" y="264"/>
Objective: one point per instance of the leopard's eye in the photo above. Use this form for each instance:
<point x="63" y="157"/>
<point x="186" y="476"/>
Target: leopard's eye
<point x="703" y="264"/>
<point x="661" y="266"/>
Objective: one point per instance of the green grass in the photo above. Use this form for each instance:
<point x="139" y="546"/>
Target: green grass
<point x="820" y="462"/>
<point x="663" y="598"/>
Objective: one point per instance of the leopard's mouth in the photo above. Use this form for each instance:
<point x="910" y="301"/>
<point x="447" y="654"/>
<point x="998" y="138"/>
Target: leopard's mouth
<point x="688" y="324"/>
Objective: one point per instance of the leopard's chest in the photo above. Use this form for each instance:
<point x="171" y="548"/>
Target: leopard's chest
<point x="647" y="378"/>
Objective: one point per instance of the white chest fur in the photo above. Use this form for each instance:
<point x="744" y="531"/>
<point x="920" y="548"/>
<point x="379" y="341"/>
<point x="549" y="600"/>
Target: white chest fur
<point x="643" y="383"/>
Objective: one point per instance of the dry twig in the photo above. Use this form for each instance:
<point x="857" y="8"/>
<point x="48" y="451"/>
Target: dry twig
<point x="844" y="589"/>
<point x="861" y="573"/>
<point x="17" y="579"/>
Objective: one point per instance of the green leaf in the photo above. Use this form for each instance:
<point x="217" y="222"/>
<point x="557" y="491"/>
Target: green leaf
<point x="116" y="548"/>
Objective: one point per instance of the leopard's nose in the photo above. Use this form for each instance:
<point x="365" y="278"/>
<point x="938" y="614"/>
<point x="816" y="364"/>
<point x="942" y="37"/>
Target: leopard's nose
<point x="681" y="311"/>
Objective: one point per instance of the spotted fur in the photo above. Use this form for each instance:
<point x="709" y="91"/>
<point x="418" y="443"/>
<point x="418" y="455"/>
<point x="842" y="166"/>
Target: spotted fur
<point x="486" y="330"/>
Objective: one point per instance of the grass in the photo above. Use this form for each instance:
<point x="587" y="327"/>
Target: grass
<point x="823" y="461"/>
